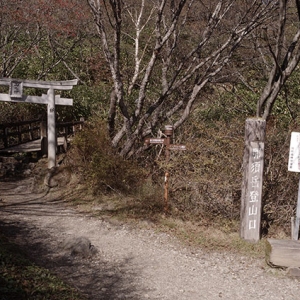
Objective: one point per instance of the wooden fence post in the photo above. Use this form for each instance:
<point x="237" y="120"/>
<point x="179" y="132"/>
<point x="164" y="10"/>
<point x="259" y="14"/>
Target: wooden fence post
<point x="81" y="124"/>
<point x="294" y="166"/>
<point x="297" y="219"/>
<point x="253" y="163"/>
<point x="43" y="135"/>
<point x="5" y="138"/>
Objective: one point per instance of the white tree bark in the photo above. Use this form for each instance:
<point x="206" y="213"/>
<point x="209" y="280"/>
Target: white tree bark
<point x="168" y="64"/>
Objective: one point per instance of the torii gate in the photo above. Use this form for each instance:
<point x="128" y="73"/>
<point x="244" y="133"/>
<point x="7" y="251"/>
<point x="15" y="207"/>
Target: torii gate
<point x="16" y="95"/>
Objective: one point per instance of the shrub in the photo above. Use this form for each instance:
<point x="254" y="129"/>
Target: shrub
<point x="102" y="167"/>
<point x="206" y="179"/>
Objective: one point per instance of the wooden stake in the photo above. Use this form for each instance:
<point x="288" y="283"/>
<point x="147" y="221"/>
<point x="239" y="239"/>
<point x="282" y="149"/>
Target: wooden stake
<point x="253" y="163"/>
<point x="297" y="219"/>
<point x="166" y="192"/>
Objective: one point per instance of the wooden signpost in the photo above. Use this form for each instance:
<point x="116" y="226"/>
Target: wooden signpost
<point x="253" y="164"/>
<point x="167" y="141"/>
<point x="294" y="166"/>
<point x="15" y="94"/>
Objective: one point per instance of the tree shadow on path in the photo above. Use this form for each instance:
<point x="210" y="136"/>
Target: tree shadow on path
<point x="96" y="277"/>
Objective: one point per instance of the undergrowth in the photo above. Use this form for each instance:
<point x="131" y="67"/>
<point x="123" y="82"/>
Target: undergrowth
<point x="205" y="180"/>
<point x="99" y="164"/>
<point x="147" y="212"/>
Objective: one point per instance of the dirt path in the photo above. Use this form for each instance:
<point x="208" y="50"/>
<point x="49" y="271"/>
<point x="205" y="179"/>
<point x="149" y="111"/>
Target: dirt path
<point x="131" y="263"/>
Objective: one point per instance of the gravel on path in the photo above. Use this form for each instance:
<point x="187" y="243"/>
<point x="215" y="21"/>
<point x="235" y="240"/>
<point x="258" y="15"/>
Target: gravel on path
<point x="131" y="263"/>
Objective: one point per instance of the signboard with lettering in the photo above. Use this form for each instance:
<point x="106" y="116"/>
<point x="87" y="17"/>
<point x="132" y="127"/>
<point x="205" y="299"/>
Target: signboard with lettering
<point x="251" y="218"/>
<point x="294" y="155"/>
<point x="255" y="186"/>
<point x="155" y="141"/>
<point x="177" y="147"/>
<point x="253" y="166"/>
<point x="16" y="89"/>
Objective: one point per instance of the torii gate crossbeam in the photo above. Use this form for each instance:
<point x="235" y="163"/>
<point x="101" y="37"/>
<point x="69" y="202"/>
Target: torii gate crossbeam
<point x="16" y="95"/>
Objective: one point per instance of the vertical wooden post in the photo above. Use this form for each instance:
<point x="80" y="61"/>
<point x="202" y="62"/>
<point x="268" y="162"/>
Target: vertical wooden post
<point x="253" y="163"/>
<point x="295" y="230"/>
<point x="166" y="192"/>
<point x="294" y="166"/>
<point x="168" y="141"/>
<point x="44" y="140"/>
<point x="5" y="138"/>
<point x="19" y="128"/>
<point x="51" y="129"/>
<point x="81" y="124"/>
<point x="31" y="126"/>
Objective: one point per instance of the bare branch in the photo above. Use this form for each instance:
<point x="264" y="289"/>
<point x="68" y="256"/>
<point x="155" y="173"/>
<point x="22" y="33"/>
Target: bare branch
<point x="283" y="66"/>
<point x="174" y="56"/>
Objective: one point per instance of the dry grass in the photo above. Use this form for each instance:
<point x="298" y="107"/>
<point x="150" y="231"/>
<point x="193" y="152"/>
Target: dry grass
<point x="211" y="235"/>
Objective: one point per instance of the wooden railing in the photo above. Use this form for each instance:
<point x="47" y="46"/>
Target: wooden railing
<point x="12" y="134"/>
<point x="20" y="132"/>
<point x="68" y="129"/>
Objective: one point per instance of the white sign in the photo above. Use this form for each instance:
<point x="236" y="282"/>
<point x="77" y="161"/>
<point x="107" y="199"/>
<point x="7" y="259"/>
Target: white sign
<point x="177" y="147"/>
<point x="16" y="89"/>
<point x="294" y="156"/>
<point x="156" y="141"/>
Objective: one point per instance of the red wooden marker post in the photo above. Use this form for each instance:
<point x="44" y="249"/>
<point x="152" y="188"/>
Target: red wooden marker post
<point x="167" y="141"/>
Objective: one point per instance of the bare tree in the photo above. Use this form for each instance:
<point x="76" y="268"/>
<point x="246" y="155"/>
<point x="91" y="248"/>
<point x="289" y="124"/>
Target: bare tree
<point x="284" y="51"/>
<point x="163" y="53"/>
<point x="15" y="29"/>
<point x="41" y="34"/>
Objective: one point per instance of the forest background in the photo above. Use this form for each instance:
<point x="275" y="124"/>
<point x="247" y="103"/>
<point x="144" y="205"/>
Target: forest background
<point x="202" y="66"/>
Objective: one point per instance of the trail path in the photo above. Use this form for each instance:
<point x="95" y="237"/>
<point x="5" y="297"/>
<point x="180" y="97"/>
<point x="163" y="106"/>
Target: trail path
<point x="131" y="263"/>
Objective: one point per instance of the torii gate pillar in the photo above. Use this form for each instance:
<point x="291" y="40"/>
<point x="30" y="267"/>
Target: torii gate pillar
<point x="16" y="95"/>
<point x="51" y="129"/>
